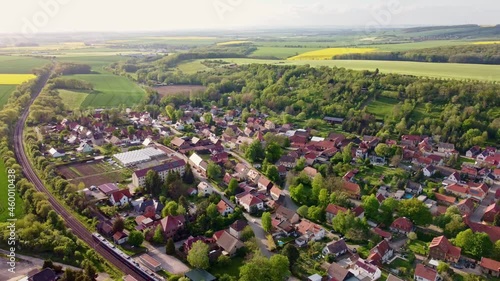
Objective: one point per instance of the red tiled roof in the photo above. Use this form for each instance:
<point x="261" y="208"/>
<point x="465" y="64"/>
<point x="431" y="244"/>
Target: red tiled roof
<point x="250" y="200"/>
<point x="382" y="233"/>
<point x="492" y="231"/>
<point x="352" y="188"/>
<point x="358" y="211"/>
<point x="425" y="272"/>
<point x="457" y="188"/>
<point x="490" y="264"/>
<point x="403" y="224"/>
<point x="444" y="198"/>
<point x="445" y="246"/>
<point x="334" y="209"/>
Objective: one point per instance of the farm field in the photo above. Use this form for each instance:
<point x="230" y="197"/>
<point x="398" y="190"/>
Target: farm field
<point x="434" y="70"/>
<point x="20" y="65"/>
<point x="235" y="42"/>
<point x="179" y="89"/>
<point x="5" y="91"/>
<point x="73" y="99"/>
<point x="192" y="67"/>
<point x="15" y="79"/>
<point x="96" y="60"/>
<point x="110" y="90"/>
<point x="280" y="52"/>
<point x="327" y="54"/>
<point x="95" y="173"/>
<point x="4" y="212"/>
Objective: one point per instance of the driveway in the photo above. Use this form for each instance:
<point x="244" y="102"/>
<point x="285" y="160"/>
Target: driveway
<point x="260" y="234"/>
<point x="168" y="263"/>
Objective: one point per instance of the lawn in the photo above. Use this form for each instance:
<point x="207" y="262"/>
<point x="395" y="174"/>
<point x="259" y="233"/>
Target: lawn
<point x="418" y="247"/>
<point x="420" y="113"/>
<point x="20" y="65"/>
<point x="5" y="91"/>
<point x="4" y="212"/>
<point x="232" y="269"/>
<point x="192" y="67"/>
<point x="400" y="263"/>
<point x="110" y="91"/>
<point x="73" y="99"/>
<point x="421" y="69"/>
<point x="382" y="107"/>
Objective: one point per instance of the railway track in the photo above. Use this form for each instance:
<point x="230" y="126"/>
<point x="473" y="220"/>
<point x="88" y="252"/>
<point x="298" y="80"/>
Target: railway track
<point x="76" y="226"/>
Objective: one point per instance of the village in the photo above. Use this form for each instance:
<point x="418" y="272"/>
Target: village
<point x="322" y="193"/>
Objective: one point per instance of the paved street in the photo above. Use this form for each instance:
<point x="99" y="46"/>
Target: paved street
<point x="260" y="234"/>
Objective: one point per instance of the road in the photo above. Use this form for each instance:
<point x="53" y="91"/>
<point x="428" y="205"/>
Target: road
<point x="260" y="234"/>
<point x="71" y="222"/>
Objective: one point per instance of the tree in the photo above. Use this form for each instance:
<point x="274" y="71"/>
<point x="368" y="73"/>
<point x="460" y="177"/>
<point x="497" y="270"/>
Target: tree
<point x="135" y="238"/>
<point x="416" y="211"/>
<point x="158" y="237"/>
<point x="388" y="208"/>
<point x="412" y="236"/>
<point x="266" y="222"/>
<point x="207" y="118"/>
<point x="496" y="250"/>
<point x="212" y="211"/>
<point x="482" y="246"/>
<point x="188" y="176"/>
<point x="213" y="170"/>
<point x="371" y="205"/>
<point x="223" y="260"/>
<point x="118" y="225"/>
<point x="301" y="164"/>
<point x="273" y="173"/>
<point x="318" y="183"/>
<point x="303" y="211"/>
<point x="465" y="239"/>
<point x="323" y="197"/>
<point x="170" y="249"/>
<point x="153" y="183"/>
<point x="170" y="209"/>
<point x="273" y="152"/>
<point x="198" y="255"/>
<point x="247" y="233"/>
<point x="271" y="245"/>
<point x="260" y="268"/>
<point x="443" y="267"/>
<point x="255" y="152"/>
<point x="383" y="150"/>
<point x="232" y="187"/>
<point x="171" y="113"/>
<point x="291" y="252"/>
<point x="347" y="153"/>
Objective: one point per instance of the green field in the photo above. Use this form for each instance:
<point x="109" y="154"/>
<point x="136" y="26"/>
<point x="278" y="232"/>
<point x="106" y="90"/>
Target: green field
<point x="109" y="91"/>
<point x="434" y="70"/>
<point x="73" y="99"/>
<point x="97" y="62"/>
<point x="20" y="65"/>
<point x="5" y="91"/>
<point x="192" y="67"/>
<point x="382" y="107"/>
<point x="4" y="212"/>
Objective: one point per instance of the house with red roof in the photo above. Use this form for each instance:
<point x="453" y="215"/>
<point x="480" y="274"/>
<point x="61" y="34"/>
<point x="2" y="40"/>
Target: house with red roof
<point x="384" y="234"/>
<point x="170" y="225"/>
<point x="120" y="197"/>
<point x="496" y="174"/>
<point x="402" y="225"/>
<point x="490" y="267"/>
<point x="466" y="206"/>
<point x="492" y="231"/>
<point x="250" y="203"/>
<point x="381" y="253"/>
<point x="310" y="231"/>
<point x="225" y="208"/>
<point x="120" y="237"/>
<point x="424" y="273"/>
<point x="458" y="190"/>
<point x="445" y="200"/>
<point x="332" y="210"/>
<point x="490" y="212"/>
<point x="352" y="189"/>
<point x="441" y="249"/>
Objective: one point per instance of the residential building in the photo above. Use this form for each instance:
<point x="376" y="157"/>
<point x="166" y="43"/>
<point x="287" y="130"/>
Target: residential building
<point x="177" y="165"/>
<point x="332" y="210"/>
<point x="199" y="275"/>
<point x="337" y="272"/>
<point x="391" y="277"/>
<point x="402" y="225"/>
<point x="364" y="270"/>
<point x="490" y="267"/>
<point x="310" y="231"/>
<point x="170" y="225"/>
<point x="46" y="274"/>
<point x="444" y="199"/>
<point x="205" y="189"/>
<point x="384" y="234"/>
<point x="250" y="203"/>
<point x="352" y="189"/>
<point x="490" y="212"/>
<point x="57" y="153"/>
<point x="84" y="148"/>
<point x="120" y="197"/>
<point x="120" y="237"/>
<point x="441" y="249"/>
<point x="283" y="213"/>
<point x="229" y="243"/>
<point x="336" y="248"/>
<point x="264" y="183"/>
<point x="381" y="253"/>
<point x="429" y="170"/>
<point x="236" y="228"/>
<point x="198" y="162"/>
<point x="225" y="208"/>
<point x="424" y="273"/>
<point x="413" y="188"/>
<point x="466" y="206"/>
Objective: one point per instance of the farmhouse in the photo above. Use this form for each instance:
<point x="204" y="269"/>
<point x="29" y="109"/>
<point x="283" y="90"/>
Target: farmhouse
<point x="176" y="165"/>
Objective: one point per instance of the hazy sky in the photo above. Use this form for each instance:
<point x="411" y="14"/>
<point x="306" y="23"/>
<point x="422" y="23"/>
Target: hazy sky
<point x="18" y="16"/>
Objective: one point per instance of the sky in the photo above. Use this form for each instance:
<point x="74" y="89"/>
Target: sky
<point x="30" y="16"/>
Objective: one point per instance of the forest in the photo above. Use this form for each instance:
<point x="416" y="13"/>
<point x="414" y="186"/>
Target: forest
<point x="476" y="54"/>
<point x="465" y="113"/>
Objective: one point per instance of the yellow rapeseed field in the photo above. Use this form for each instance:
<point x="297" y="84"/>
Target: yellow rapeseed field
<point x="232" y="43"/>
<point x="327" y="54"/>
<point x="15" y="79"/>
<point x="486" y="42"/>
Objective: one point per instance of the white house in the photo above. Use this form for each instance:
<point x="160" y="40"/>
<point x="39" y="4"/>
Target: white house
<point x="120" y="237"/>
<point x="120" y="197"/>
<point x="205" y="189"/>
<point x="365" y="271"/>
<point x="310" y="230"/>
<point x="225" y="208"/>
<point x="56" y="153"/>
<point x="84" y="148"/>
<point x="429" y="171"/>
<point x="424" y="273"/>
<point x="250" y="203"/>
